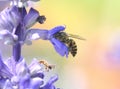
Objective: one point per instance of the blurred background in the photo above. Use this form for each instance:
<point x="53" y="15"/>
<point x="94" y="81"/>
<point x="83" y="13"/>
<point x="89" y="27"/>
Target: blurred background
<point x="97" y="63"/>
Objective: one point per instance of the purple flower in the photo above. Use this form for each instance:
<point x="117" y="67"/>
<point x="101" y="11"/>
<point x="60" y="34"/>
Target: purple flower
<point x="22" y="76"/>
<point x="19" y="3"/>
<point x="15" y="30"/>
<point x="34" y="34"/>
<point x="15" y="21"/>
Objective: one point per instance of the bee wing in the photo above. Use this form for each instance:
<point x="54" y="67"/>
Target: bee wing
<point x="76" y="36"/>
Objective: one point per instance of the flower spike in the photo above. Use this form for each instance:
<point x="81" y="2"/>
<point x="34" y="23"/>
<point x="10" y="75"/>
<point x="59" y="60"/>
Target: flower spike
<point x="16" y="30"/>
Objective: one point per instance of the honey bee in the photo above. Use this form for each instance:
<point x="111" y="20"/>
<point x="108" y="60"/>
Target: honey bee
<point x="70" y="43"/>
<point x="47" y="66"/>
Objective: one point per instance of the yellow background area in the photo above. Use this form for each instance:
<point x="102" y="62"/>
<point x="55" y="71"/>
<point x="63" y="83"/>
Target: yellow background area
<point x="97" y="63"/>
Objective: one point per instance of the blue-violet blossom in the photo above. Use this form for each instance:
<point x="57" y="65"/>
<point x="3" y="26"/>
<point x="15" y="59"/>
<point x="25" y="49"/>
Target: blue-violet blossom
<point x="22" y="76"/>
<point x="10" y="19"/>
<point x="15" y="30"/>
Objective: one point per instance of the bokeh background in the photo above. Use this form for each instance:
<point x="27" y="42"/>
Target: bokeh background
<point x="97" y="63"/>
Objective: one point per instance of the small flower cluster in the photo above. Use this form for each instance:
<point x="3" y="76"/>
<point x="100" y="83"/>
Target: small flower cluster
<point x="22" y="76"/>
<point x="15" y="30"/>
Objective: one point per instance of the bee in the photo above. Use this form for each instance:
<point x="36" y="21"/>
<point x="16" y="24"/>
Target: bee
<point x="47" y="65"/>
<point x="70" y="43"/>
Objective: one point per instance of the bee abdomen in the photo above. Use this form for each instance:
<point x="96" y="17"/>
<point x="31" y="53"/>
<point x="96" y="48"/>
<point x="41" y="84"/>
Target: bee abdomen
<point x="74" y="53"/>
<point x="74" y="50"/>
<point x="70" y="43"/>
<point x="72" y="47"/>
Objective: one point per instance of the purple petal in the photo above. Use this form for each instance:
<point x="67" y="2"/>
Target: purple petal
<point x="53" y="79"/>
<point x="22" y="69"/>
<point x="14" y="15"/>
<point x="15" y="80"/>
<point x="49" y="84"/>
<point x="24" y="12"/>
<point x="10" y="62"/>
<point x="19" y="4"/>
<point x="8" y="37"/>
<point x="25" y="82"/>
<point x="39" y="74"/>
<point x="2" y="82"/>
<point x="5" y="0"/>
<point x="23" y="3"/>
<point x="35" y="34"/>
<point x="61" y="48"/>
<point x="8" y="85"/>
<point x="31" y="18"/>
<point x="34" y="67"/>
<point x="4" y="70"/>
<point x="36" y="83"/>
<point x="9" y="18"/>
<point x="55" y="30"/>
